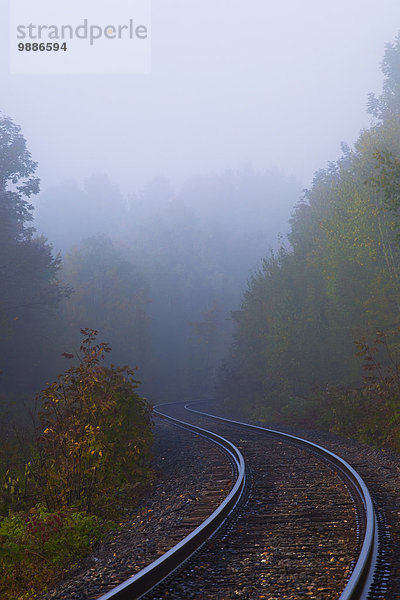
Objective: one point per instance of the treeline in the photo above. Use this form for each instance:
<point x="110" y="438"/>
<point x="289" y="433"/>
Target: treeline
<point x="161" y="278"/>
<point x="30" y="288"/>
<point x="316" y="339"/>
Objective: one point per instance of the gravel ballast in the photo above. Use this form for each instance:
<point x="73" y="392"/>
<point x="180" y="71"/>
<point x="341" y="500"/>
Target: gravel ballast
<point x="185" y="464"/>
<point x="187" y="467"/>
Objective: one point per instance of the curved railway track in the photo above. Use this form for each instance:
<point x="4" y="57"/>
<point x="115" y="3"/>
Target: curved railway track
<point x="254" y="509"/>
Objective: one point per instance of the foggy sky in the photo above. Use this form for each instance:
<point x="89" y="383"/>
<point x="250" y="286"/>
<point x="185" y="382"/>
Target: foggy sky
<point x="275" y="84"/>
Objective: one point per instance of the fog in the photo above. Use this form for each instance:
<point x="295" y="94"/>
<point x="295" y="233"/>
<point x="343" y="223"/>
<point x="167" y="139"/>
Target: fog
<point x="184" y="179"/>
<point x="223" y="227"/>
<point x="277" y="85"/>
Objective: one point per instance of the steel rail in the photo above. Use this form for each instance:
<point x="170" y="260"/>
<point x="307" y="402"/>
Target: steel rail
<point x="360" y="582"/>
<point x="138" y="585"/>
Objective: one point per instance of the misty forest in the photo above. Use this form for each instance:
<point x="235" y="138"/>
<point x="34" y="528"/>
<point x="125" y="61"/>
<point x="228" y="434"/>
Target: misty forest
<point x="112" y="302"/>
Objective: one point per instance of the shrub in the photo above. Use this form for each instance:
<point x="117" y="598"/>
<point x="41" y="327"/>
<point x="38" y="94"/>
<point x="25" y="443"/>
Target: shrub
<point x="95" y="433"/>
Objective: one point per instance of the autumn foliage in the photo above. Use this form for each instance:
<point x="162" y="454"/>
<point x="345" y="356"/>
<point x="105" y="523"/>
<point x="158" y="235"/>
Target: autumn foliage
<point x="95" y="432"/>
<point x="88" y="459"/>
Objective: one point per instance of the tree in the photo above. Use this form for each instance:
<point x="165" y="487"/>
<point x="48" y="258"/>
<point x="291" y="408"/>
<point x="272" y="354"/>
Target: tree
<point x="387" y="105"/>
<point x="28" y="270"/>
<point x="338" y="282"/>
<point x="388" y="181"/>
<point x="17" y="171"/>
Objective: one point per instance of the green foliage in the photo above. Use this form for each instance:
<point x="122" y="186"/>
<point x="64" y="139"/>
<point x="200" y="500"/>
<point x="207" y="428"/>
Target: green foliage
<point x="35" y="545"/>
<point x="95" y="433"/>
<point x="381" y="387"/>
<point x="338" y="281"/>
<point x="388" y="180"/>
<point x="371" y="412"/>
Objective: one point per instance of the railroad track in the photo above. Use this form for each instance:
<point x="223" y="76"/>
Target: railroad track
<point x="280" y="517"/>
